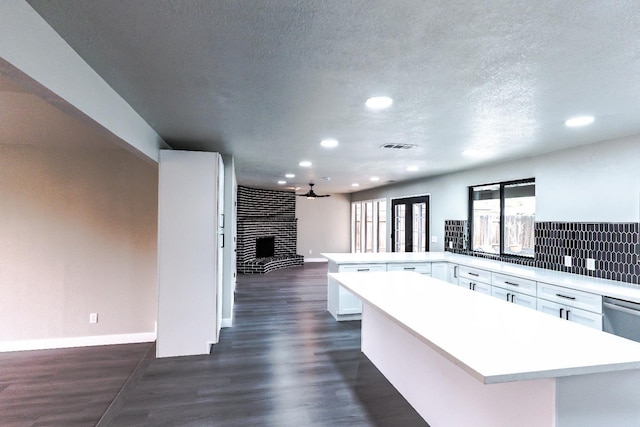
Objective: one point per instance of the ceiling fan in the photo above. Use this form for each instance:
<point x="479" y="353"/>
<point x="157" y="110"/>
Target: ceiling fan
<point x="311" y="194"/>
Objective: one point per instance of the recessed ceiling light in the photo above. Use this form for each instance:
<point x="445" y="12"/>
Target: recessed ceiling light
<point x="355" y="184"/>
<point x="305" y="164"/>
<point x="579" y="121"/>
<point x="379" y="102"/>
<point x="412" y="168"/>
<point x="289" y="175"/>
<point x="282" y="182"/>
<point x="375" y="178"/>
<point x="329" y="143"/>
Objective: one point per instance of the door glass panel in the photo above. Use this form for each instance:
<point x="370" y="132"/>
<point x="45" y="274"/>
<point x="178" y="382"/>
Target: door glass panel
<point x="419" y="227"/>
<point x="368" y="227"/>
<point x="400" y="211"/>
<point x="357" y="222"/>
<point x="382" y="226"/>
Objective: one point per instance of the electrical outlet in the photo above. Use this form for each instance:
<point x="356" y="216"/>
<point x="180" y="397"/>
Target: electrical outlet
<point x="434" y="239"/>
<point x="591" y="264"/>
<point x="450" y="244"/>
<point x="93" y="317"/>
<point x="310" y="251"/>
<point x="567" y="261"/>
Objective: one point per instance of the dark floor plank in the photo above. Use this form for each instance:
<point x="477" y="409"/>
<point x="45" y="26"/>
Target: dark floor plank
<point x="285" y="362"/>
<point x="64" y="387"/>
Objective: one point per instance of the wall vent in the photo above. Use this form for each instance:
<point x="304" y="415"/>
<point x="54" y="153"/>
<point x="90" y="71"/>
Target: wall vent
<point x="398" y="146"/>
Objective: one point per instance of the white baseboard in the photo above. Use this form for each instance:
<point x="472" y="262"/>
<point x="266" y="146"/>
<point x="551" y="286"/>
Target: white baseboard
<point x="316" y="260"/>
<point x="51" y="343"/>
<point x="226" y="323"/>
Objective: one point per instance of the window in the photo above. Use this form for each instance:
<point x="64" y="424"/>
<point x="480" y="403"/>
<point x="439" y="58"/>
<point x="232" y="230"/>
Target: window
<point x="369" y="226"/>
<point x="502" y="218"/>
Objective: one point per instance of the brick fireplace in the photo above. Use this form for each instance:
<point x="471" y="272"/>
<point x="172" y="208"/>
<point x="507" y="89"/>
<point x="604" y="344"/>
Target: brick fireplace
<point x="265" y="216"/>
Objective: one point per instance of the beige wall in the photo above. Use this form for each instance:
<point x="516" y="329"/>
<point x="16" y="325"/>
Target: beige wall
<point x="323" y="225"/>
<point x="78" y="233"/>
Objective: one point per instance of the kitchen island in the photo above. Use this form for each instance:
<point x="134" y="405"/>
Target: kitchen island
<point x="466" y="359"/>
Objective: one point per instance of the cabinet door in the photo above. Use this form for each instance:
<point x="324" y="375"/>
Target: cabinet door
<point x="439" y="270"/>
<point x="483" y="288"/>
<point x="452" y="273"/>
<point x="584" y="317"/>
<point x="525" y="300"/>
<point x="550" y="307"/>
<point x="348" y="303"/>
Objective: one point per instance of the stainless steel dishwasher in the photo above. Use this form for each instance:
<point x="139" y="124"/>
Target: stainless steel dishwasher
<point x="621" y="318"/>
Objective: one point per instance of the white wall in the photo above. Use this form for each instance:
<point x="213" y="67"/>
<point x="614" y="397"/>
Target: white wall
<point x="594" y="183"/>
<point x="323" y="225"/>
<point x="78" y="231"/>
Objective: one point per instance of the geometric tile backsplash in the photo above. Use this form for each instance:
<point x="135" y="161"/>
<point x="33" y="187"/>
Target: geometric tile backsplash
<point x="615" y="247"/>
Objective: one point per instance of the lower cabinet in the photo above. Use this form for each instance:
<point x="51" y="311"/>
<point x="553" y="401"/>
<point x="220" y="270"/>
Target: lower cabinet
<point x="439" y="270"/>
<point x="475" y="285"/>
<point x="342" y="304"/>
<point x="452" y="273"/>
<point x="514" y="297"/>
<point x="581" y="307"/>
<point x="572" y="314"/>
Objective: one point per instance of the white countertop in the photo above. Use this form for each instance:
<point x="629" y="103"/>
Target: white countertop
<point x="611" y="288"/>
<point x="491" y="339"/>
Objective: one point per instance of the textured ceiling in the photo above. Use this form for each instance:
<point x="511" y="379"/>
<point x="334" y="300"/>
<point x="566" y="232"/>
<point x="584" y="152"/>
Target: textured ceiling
<point x="267" y="80"/>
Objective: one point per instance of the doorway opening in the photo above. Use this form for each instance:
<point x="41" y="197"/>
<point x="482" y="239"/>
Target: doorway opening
<point x="410" y="219"/>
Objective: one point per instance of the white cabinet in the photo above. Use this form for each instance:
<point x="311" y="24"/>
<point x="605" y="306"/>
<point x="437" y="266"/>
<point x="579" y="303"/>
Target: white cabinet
<point x="514" y="297"/>
<point x="439" y="270"/>
<point x="189" y="253"/>
<point x="474" y="279"/>
<point x="570" y="304"/>
<point x="418" y="267"/>
<point x="514" y="289"/>
<point x="515" y="284"/>
<point x="342" y="304"/>
<point x="475" y="285"/>
<point x="452" y="273"/>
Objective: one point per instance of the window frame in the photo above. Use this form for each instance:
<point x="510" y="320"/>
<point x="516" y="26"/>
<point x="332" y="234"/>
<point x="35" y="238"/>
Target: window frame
<point x="501" y="253"/>
<point x="361" y="232"/>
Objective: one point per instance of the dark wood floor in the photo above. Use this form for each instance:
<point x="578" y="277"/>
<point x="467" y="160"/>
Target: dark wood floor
<point x="285" y="362"/>
<point x="67" y="387"/>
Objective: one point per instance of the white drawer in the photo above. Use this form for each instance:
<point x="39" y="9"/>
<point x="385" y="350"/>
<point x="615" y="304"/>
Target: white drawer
<point x="474" y="274"/>
<point x="362" y="268"/>
<point x="422" y="268"/>
<point x="570" y="297"/>
<point x="512" y="283"/>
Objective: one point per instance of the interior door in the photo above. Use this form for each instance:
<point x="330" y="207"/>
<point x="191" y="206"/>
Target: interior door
<point x="410" y="219"/>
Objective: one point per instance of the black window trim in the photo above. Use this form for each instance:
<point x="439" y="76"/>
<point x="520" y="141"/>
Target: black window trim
<point x="502" y="184"/>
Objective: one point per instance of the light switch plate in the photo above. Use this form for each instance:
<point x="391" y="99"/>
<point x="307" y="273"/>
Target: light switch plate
<point x="434" y="239"/>
<point x="450" y="244"/>
<point x="93" y="317"/>
<point x="591" y="264"/>
<point x="567" y="261"/>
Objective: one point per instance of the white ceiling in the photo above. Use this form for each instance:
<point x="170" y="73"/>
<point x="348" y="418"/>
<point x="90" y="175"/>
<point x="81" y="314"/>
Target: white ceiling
<point x="267" y="80"/>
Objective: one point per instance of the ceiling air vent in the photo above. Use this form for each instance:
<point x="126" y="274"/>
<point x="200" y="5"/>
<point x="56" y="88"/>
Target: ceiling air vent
<point x="398" y="146"/>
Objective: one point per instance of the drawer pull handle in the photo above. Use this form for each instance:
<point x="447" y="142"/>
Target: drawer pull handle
<point x="561" y="310"/>
<point x="512" y="297"/>
<point x="474" y="274"/>
<point x="508" y="295"/>
<point x="566" y="297"/>
<point x="409" y="268"/>
<point x="566" y="316"/>
<point x="512" y="284"/>
<point x="363" y="269"/>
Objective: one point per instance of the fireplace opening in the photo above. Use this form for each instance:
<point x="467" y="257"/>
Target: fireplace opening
<point x="265" y="247"/>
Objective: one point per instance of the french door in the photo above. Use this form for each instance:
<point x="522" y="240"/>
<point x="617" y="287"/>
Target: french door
<point x="410" y="219"/>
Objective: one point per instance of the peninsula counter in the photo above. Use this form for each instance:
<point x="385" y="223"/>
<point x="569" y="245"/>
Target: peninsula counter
<point x="463" y="358"/>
